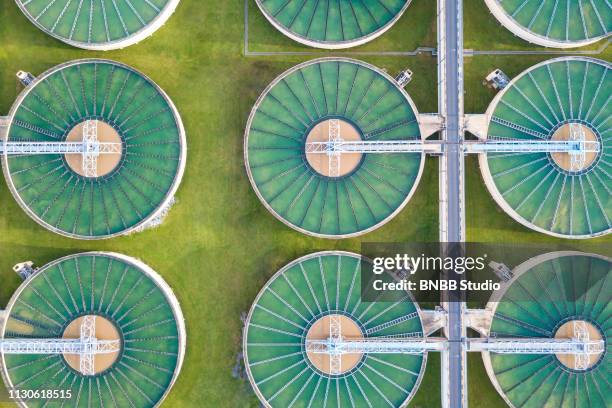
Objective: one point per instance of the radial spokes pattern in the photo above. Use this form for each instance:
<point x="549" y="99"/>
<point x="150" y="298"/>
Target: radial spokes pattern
<point x="280" y="123"/>
<point x="561" y="20"/>
<point x="540" y="192"/>
<point x="536" y="304"/>
<point x="94" y="22"/>
<point x="315" y="286"/>
<point x="148" y="172"/>
<point x="96" y="284"/>
<point x="333" y="22"/>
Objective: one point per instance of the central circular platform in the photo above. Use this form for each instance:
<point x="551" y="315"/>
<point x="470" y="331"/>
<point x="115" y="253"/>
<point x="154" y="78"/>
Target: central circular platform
<point x="106" y="162"/>
<point x="320" y="330"/>
<point x="563" y="160"/>
<point x="566" y="331"/>
<point x="320" y="162"/>
<point x="105" y="330"/>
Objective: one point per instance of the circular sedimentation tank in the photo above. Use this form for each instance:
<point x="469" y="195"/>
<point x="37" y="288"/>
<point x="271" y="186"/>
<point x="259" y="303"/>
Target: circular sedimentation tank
<point x="544" y="191"/>
<point x="132" y="186"/>
<point x="295" y="305"/>
<point x="130" y="302"/>
<point x="104" y="25"/>
<point x="333" y="25"/>
<point x="298" y="187"/>
<point x="554" y="23"/>
<point x="544" y="299"/>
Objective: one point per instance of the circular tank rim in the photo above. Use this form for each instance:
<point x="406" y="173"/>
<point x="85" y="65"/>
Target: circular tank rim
<point x="524" y="33"/>
<point x="332" y="45"/>
<point x="149" y="272"/>
<point x="171" y="191"/>
<point x="497" y="295"/>
<point x="144" y="32"/>
<point x="483" y="158"/>
<point x="247" y="132"/>
<point x="279" y="272"/>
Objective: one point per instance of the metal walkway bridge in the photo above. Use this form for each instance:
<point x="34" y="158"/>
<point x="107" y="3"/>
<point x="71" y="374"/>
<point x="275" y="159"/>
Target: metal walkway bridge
<point x="85" y="148"/>
<point x="89" y="148"/>
<point x="434" y="146"/>
<point x="336" y="345"/>
<point x="577" y="148"/>
<point x="86" y="347"/>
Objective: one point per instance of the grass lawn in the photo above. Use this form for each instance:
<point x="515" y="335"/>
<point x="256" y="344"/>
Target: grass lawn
<point x="480" y="390"/>
<point x="219" y="245"/>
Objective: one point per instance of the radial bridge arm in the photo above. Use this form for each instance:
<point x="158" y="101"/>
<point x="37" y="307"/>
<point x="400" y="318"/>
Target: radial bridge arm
<point x="399" y="345"/>
<point x="58" y="346"/>
<point x="537" y="346"/>
<point x="374" y="146"/>
<point x="90" y="148"/>
<point x="572" y="147"/>
<point x="34" y="148"/>
<point x="532" y="146"/>
<point x="87" y="346"/>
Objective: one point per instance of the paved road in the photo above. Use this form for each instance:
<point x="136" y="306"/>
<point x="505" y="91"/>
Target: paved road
<point x="454" y="88"/>
<point x="453" y="101"/>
